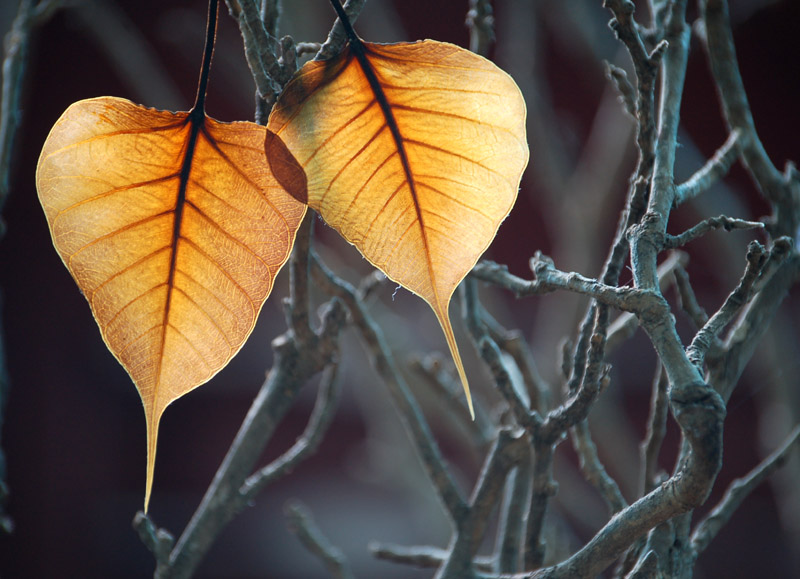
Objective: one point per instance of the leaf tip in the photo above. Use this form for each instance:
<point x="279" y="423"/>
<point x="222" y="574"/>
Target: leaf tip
<point x="152" y="439"/>
<point x="447" y="327"/>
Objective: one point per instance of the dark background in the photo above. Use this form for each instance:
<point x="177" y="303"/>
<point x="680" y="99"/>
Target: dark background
<point x="74" y="429"/>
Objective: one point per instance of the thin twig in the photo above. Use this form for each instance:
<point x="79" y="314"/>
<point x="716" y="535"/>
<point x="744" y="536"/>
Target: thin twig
<point x="480" y="22"/>
<point x="710" y="224"/>
<point x="783" y="190"/>
<point x="593" y="470"/>
<point x="543" y="488"/>
<point x="158" y="541"/>
<point x="714" y="169"/>
<point x="627" y="94"/>
<point x="297" y="316"/>
<point x="625" y="325"/>
<point x="422" y="556"/>
<point x="688" y="300"/>
<point x="263" y="51"/>
<point x="509" y="447"/>
<point x="383" y="361"/>
<point x="494" y="360"/>
<point x="760" y="266"/>
<point x="30" y="15"/>
<point x="431" y="369"/>
<point x="549" y="279"/>
<point x="307" y="443"/>
<point x="302" y="524"/>
<point x="656" y="431"/>
<point x="337" y="37"/>
<point x="514" y="344"/>
<point x="511" y="526"/>
<point x="738" y="490"/>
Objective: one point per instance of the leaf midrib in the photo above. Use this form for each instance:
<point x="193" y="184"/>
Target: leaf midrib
<point x="360" y="51"/>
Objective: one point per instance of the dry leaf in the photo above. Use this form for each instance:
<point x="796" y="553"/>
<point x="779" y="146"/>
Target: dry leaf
<point x="417" y="166"/>
<point x="174" y="229"/>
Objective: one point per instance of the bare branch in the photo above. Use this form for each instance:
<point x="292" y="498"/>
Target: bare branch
<point x="494" y="360"/>
<point x="511" y="526"/>
<point x="710" y="224"/>
<point x="738" y="490"/>
<point x="549" y="279"/>
<point x="15" y="61"/>
<point x="383" y="362"/>
<point x="627" y="94"/>
<point x="656" y="431"/>
<point x="514" y="344"/>
<point x="480" y="22"/>
<point x="544" y="487"/>
<point x="593" y="470"/>
<point x="744" y="336"/>
<point x="625" y="325"/>
<point x="263" y="51"/>
<point x="714" y="169"/>
<point x="431" y="369"/>
<point x="760" y="266"/>
<point x="421" y="556"/>
<point x="318" y="423"/>
<point x="302" y="524"/>
<point x="158" y="541"/>
<point x="337" y="38"/>
<point x="782" y="190"/>
<point x="688" y="300"/>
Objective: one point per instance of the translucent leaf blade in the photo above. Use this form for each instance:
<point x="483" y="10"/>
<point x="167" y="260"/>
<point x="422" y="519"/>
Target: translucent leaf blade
<point x="417" y="172"/>
<point x="174" y="229"/>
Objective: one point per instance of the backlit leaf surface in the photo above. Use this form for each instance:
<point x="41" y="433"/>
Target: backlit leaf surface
<point x="174" y="228"/>
<point x="417" y="168"/>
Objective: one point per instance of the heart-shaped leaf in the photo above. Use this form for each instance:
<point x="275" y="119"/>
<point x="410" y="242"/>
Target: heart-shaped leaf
<point x="414" y="153"/>
<point x="174" y="228"/>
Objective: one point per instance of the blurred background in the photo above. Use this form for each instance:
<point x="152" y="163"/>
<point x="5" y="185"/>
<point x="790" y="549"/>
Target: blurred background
<point x="74" y="429"/>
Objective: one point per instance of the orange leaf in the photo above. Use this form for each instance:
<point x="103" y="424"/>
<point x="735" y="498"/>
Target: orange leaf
<point x="414" y="153"/>
<point x="174" y="229"/>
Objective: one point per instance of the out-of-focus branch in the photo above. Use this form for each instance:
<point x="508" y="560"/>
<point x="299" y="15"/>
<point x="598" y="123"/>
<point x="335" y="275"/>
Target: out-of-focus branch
<point x="656" y="431"/>
<point x="120" y="40"/>
<point x="337" y="37"/>
<point x="783" y="190"/>
<point x="303" y="526"/>
<point x="383" y="361"/>
<point x="593" y="470"/>
<point x="431" y="370"/>
<point x="227" y="495"/>
<point x="688" y="300"/>
<point x="509" y="447"/>
<point x="480" y="22"/>
<point x="744" y="336"/>
<point x="321" y="417"/>
<point x="17" y="41"/>
<point x="262" y="49"/>
<point x="760" y="265"/>
<point x="714" y="169"/>
<point x="422" y="556"/>
<point x="511" y="526"/>
<point x="737" y="491"/>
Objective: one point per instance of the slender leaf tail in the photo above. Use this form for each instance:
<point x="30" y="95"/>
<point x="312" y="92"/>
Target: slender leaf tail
<point x="447" y="327"/>
<point x="153" y="420"/>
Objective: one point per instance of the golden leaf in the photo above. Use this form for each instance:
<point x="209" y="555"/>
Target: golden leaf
<point x="414" y="153"/>
<point x="174" y="228"/>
